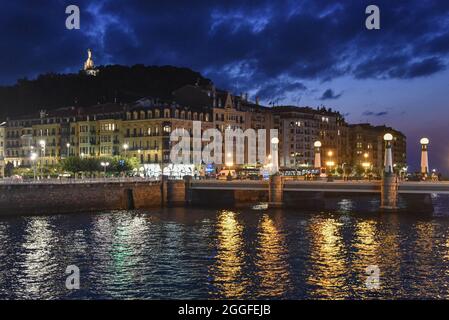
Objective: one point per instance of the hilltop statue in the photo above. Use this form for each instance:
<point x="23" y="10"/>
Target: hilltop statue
<point x="89" y="66"/>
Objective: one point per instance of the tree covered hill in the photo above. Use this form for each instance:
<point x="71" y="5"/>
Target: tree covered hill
<point x="113" y="83"/>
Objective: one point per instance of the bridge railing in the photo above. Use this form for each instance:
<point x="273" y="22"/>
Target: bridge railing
<point x="76" y="181"/>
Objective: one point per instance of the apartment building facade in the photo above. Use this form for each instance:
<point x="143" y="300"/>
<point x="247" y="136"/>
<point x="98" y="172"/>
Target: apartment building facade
<point x="300" y="128"/>
<point x="367" y="145"/>
<point x="142" y="130"/>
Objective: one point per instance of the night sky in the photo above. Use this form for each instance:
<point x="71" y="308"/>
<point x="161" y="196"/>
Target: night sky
<point x="310" y="52"/>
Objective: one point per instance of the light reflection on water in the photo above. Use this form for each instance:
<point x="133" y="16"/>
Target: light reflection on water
<point x="328" y="275"/>
<point x="237" y="254"/>
<point x="227" y="272"/>
<point x="272" y="264"/>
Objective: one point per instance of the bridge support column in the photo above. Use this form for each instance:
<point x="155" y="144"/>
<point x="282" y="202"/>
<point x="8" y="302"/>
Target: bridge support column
<point x="173" y="193"/>
<point x="276" y="192"/>
<point x="389" y="192"/>
<point x="188" y="189"/>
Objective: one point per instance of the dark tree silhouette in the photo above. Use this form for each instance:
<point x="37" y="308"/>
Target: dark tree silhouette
<point x="113" y="83"/>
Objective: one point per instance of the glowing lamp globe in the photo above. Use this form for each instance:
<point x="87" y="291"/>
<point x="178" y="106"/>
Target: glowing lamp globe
<point x="424" y="141"/>
<point x="388" y="137"/>
<point x="275" y="140"/>
<point x="317" y="144"/>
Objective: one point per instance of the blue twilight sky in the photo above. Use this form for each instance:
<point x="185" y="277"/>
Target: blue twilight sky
<point x="304" y="52"/>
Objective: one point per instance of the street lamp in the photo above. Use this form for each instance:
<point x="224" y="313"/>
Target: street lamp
<point x="330" y="163"/>
<point x="317" y="163"/>
<point x="424" y="156"/>
<point x="388" y="163"/>
<point x="295" y="156"/>
<point x="105" y="165"/>
<point x="42" y="143"/>
<point x="126" y="147"/>
<point x="68" y="149"/>
<point x="33" y="158"/>
<point x="275" y="156"/>
<point x="366" y="164"/>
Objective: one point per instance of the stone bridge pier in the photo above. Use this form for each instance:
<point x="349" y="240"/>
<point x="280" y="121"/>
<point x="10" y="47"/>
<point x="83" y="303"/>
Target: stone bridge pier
<point x="276" y="192"/>
<point x="174" y="192"/>
<point x="389" y="192"/>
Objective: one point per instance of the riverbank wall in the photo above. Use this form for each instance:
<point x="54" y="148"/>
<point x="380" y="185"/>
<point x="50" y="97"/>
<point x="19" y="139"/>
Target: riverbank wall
<point x="80" y="197"/>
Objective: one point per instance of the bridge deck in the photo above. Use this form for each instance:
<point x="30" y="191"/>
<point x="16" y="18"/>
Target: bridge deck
<point x="324" y="186"/>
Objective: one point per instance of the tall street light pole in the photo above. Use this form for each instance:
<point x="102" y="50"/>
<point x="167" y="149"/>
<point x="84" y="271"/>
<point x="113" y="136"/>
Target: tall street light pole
<point x="105" y="165"/>
<point x="33" y="158"/>
<point x="68" y="149"/>
<point x="424" y="156"/>
<point x="126" y="147"/>
<point x="388" y="163"/>
<point x="42" y="143"/>
<point x="275" y="155"/>
<point x="317" y="161"/>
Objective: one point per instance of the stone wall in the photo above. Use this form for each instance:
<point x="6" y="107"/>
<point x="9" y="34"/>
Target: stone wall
<point x="66" y="198"/>
<point x="226" y="198"/>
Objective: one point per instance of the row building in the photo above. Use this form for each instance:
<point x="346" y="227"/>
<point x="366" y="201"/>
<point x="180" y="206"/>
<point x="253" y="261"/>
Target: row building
<point x="142" y="130"/>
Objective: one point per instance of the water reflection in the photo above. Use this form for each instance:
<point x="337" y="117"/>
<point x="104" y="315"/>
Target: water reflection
<point x="366" y="252"/>
<point x="272" y="259"/>
<point x="227" y="271"/>
<point x="328" y="272"/>
<point x="423" y="249"/>
<point x="202" y="254"/>
<point x="37" y="262"/>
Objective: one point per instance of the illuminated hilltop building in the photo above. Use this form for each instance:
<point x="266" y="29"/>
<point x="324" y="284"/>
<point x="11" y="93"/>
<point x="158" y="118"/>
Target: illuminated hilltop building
<point x="89" y="66"/>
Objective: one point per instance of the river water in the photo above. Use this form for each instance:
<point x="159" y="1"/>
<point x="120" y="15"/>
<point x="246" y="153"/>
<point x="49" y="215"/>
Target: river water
<point x="209" y="253"/>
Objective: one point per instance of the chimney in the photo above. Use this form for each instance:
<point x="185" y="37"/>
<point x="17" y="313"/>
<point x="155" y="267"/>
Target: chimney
<point x="257" y="100"/>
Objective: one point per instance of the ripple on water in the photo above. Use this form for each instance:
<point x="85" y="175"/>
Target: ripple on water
<point x="205" y="253"/>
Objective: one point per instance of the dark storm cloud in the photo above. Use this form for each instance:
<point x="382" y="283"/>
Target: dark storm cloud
<point x="400" y="67"/>
<point x="330" y="95"/>
<point x="375" y="114"/>
<point x="241" y="45"/>
<point x="276" y="90"/>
